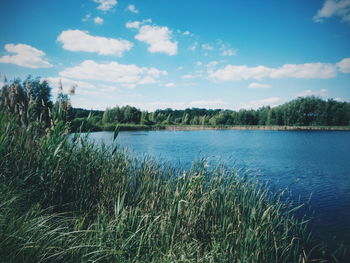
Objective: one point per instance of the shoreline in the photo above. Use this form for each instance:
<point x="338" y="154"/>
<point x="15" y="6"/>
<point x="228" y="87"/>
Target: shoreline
<point x="259" y="127"/>
<point x="136" y="127"/>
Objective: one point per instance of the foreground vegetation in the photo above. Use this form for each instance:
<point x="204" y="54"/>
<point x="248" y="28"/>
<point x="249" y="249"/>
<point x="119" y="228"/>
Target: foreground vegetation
<point x="65" y="200"/>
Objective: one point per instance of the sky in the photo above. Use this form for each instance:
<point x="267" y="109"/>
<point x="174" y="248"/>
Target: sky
<point x="156" y="54"/>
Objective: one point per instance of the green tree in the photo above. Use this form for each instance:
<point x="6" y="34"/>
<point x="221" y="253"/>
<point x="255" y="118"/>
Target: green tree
<point x="145" y="118"/>
<point x="40" y="92"/>
<point x="186" y="119"/>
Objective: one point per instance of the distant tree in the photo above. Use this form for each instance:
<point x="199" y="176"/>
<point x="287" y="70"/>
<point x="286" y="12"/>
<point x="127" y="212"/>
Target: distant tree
<point x="301" y="111"/>
<point x="186" y="118"/>
<point x="194" y="120"/>
<point x="271" y="117"/>
<point x="168" y="120"/>
<point x="108" y="116"/>
<point x="145" y="118"/>
<point x="263" y="115"/>
<point x="203" y="120"/>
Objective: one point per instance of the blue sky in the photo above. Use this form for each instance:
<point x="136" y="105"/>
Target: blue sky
<point x="179" y="54"/>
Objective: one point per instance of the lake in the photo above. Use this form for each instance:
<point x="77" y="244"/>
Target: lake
<point x="312" y="164"/>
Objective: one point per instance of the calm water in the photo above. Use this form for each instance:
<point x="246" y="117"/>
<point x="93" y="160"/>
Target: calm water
<point x="308" y="163"/>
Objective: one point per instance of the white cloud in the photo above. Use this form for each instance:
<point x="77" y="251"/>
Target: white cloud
<point x="77" y="40"/>
<point x="300" y="71"/>
<point x="186" y="33"/>
<point x="105" y="5"/>
<point x="255" y="85"/>
<point x="305" y="93"/>
<point x="137" y="24"/>
<point x="207" y="47"/>
<point x="25" y="56"/>
<point x="146" y="80"/>
<point x="226" y="51"/>
<point x="212" y="65"/>
<point x="128" y="75"/>
<point x="344" y="65"/>
<point x="158" y="38"/>
<point x="339" y="8"/>
<point x="98" y="20"/>
<point x="255" y="104"/>
<point x="305" y="71"/>
<point x="132" y="9"/>
<point x="170" y="85"/>
<point x="233" y="73"/>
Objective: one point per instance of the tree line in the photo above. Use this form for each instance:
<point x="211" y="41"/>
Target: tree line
<point x="32" y="100"/>
<point x="303" y="111"/>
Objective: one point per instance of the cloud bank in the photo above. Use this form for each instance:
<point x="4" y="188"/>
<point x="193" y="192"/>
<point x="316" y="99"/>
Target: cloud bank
<point x="127" y="75"/>
<point x="300" y="71"/>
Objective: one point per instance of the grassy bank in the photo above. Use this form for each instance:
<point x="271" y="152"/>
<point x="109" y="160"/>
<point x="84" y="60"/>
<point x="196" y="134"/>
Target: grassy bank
<point x="132" y="127"/>
<point x="258" y="127"/>
<point x="138" y="127"/>
<point x="69" y="201"/>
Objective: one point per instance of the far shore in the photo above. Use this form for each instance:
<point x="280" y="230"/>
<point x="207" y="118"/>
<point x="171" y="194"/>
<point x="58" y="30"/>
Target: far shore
<point x="260" y="127"/>
<point x="137" y="127"/>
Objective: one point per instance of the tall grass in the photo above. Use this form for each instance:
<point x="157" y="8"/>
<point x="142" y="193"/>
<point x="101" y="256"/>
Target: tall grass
<point x="66" y="200"/>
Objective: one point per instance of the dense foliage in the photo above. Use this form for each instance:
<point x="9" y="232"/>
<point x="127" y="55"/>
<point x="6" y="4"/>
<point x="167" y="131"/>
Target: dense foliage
<point x="28" y="101"/>
<point x="303" y="111"/>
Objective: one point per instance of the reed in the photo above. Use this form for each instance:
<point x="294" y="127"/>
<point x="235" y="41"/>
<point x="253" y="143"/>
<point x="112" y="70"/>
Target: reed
<point x="66" y="200"/>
